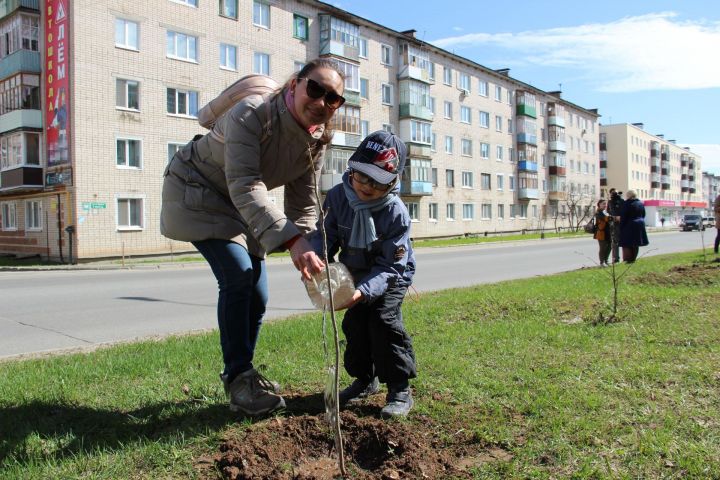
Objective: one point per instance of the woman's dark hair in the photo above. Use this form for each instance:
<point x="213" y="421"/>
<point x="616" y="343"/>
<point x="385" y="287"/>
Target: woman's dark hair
<point x="600" y="201"/>
<point x="310" y="67"/>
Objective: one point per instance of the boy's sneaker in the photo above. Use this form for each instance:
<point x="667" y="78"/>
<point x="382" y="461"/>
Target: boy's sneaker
<point x="268" y="385"/>
<point x="249" y="394"/>
<point x="398" y="403"/>
<point x="358" y="390"/>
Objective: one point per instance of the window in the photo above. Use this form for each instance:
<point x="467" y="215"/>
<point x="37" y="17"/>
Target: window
<point x="386" y="54"/>
<point x="465" y="114"/>
<point x="498" y="123"/>
<point x="483" y="88"/>
<point x="501" y="211"/>
<point x="499" y="153"/>
<point x="420" y="132"/>
<point x="352" y="74"/>
<point x="431" y="71"/>
<point x="19" y="149"/>
<point x="388" y="127"/>
<point x="467" y="179"/>
<point x="128" y="153"/>
<point x="229" y="8"/>
<point x="464" y="82"/>
<point x="534" y="211"/>
<point x="512" y="210"/>
<point x="447" y="76"/>
<point x="486" y="211"/>
<point x="484" y="119"/>
<point x="228" y="56"/>
<point x="300" y="27"/>
<point x="190" y="3"/>
<point x="511" y="182"/>
<point x="510" y="125"/>
<point x="9" y="216"/>
<point x="261" y="14"/>
<point x="432" y="104"/>
<point x="129" y="213"/>
<point x="347" y="119"/>
<point x="448" y="144"/>
<point x="33" y="215"/>
<point x="433" y="212"/>
<point x="126" y="94"/>
<point x="485" y="150"/>
<point x="364" y="128"/>
<point x="511" y="155"/>
<point x="433" y="142"/>
<point x="363" y="47"/>
<point x="450" y="211"/>
<point x="181" y="46"/>
<point x="126" y="34"/>
<point x="466" y="147"/>
<point x="336" y="160"/>
<point x="450" y="178"/>
<point x="261" y="63"/>
<point x="498" y="93"/>
<point x="387" y="94"/>
<point x="485" y="181"/>
<point x="20" y="91"/>
<point x="182" y="102"/>
<point x="500" y="181"/>
<point x="364" y="87"/>
<point x="448" y="110"/>
<point x="413" y="210"/>
<point x="434" y="177"/>
<point x="468" y="211"/>
<point x="172" y="148"/>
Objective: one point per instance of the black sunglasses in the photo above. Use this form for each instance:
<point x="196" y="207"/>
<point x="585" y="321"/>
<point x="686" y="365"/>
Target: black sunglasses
<point x="365" y="180"/>
<point x="315" y="90"/>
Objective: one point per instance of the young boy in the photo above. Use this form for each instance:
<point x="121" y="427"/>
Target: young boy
<point x="367" y="222"/>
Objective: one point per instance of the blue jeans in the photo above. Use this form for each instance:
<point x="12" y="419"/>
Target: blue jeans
<point x="242" y="297"/>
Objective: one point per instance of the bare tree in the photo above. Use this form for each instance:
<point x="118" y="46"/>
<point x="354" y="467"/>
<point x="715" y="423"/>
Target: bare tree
<point x="579" y="208"/>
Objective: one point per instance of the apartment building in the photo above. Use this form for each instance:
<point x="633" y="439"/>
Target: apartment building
<point x="99" y="95"/>
<point x="665" y="176"/>
<point x="710" y="189"/>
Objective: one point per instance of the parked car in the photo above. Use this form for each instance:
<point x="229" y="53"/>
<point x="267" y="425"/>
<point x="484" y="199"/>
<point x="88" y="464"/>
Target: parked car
<point x="691" y="222"/>
<point x="708" y="222"/>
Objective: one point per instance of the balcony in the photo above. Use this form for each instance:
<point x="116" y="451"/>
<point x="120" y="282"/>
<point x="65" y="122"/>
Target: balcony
<point x="420" y="150"/>
<point x="559" y="171"/>
<point x="352" y="98"/>
<point x="692" y="189"/>
<point x="18" y="119"/>
<point x="684" y="160"/>
<point x="654" y="184"/>
<point x="665" y="171"/>
<point x="603" y="182"/>
<point x="556" y="121"/>
<point x="410" y="110"/>
<point x="665" y="182"/>
<point x="338" y="43"/>
<point x="346" y="139"/>
<point x="557" y="146"/>
<point x="684" y="176"/>
<point x="22" y="178"/>
<point x="10" y="6"/>
<point x="527" y="166"/>
<point x="664" y="156"/>
<point x="655" y="178"/>
<point x="528" y="193"/>
<point x="603" y="146"/>
<point x="329" y="180"/>
<point x="526" y="110"/>
<point x="654" y="169"/>
<point x="530" y="138"/>
<point x="415" y="73"/>
<point x="603" y="163"/>
<point x="415" y="188"/>
<point x="20" y="61"/>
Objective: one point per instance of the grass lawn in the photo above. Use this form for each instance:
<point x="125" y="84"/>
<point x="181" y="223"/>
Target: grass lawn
<point x="522" y="365"/>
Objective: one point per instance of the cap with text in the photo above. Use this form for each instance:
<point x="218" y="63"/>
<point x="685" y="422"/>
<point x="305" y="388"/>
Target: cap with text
<point x="381" y="156"/>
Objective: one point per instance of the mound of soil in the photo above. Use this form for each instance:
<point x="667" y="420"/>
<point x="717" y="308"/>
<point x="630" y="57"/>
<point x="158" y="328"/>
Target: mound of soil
<point x="302" y="447"/>
<point x="697" y="274"/>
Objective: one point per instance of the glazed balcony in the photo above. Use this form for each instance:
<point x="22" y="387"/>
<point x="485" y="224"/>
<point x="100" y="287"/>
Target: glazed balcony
<point x="409" y="110"/>
<point x="654" y="184"/>
<point x="24" y="178"/>
<point x="603" y="182"/>
<point x="352" y="98"/>
<point x="556" y="121"/>
<point x="684" y="160"/>
<point x="418" y="150"/>
<point x="558" y="171"/>
<point x="329" y="180"/>
<point x="528" y="193"/>
<point x="527" y="166"/>
<point x="525" y="104"/>
<point x="655" y="178"/>
<point x="654" y="149"/>
<point x="557" y="146"/>
<point x="529" y="138"/>
<point x="415" y="188"/>
<point x="9" y="6"/>
<point x="603" y="163"/>
<point x="665" y="182"/>
<point x="20" y="61"/>
<point x="414" y="63"/>
<point x="339" y="38"/>
<point x="346" y="139"/>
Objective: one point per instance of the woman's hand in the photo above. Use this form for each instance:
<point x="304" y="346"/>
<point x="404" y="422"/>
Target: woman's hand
<point x="356" y="298"/>
<point x="305" y="259"/>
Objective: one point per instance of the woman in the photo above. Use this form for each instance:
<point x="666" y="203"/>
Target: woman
<point x="632" y="227"/>
<point x="602" y="232"/>
<point x="215" y="196"/>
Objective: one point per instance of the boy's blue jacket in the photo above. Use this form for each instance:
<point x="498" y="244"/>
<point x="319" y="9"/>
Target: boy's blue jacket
<point x="390" y="259"/>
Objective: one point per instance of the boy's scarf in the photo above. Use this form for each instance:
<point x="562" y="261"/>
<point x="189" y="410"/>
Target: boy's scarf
<point x="363" y="234"/>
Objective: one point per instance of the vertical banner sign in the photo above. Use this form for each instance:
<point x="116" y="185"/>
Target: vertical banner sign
<point x="57" y="84"/>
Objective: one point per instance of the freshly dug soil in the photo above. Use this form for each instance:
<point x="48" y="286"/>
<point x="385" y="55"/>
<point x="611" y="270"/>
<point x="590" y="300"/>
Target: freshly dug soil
<point x="700" y="274"/>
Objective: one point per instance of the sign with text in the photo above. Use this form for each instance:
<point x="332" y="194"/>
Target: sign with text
<point x="57" y="82"/>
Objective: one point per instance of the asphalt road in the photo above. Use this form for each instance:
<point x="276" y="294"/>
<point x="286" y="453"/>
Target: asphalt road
<point x="47" y="311"/>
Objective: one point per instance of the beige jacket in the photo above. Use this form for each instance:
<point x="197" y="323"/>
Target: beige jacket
<point x="244" y="169"/>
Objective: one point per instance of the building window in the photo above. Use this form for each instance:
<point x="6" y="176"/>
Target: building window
<point x="181" y="46"/>
<point x="448" y="110"/>
<point x="434" y="176"/>
<point x="466" y="147"/>
<point x="498" y="123"/>
<point x="483" y="88"/>
<point x="229" y="8"/>
<point x="300" y="27"/>
<point x="433" y="212"/>
<point x="347" y="119"/>
<point x="486" y="211"/>
<point x="500" y="181"/>
<point x="413" y="210"/>
<point x="447" y="76"/>
<point x="127" y="94"/>
<point x="19" y="149"/>
<point x="431" y="71"/>
<point x="450" y="211"/>
<point x="261" y="14"/>
<point x="468" y="211"/>
<point x="352" y="74"/>
<point x="172" y="149"/>
<point x="511" y="182"/>
<point x="386" y="54"/>
<point x="465" y="114"/>
<point x="228" y="56"/>
<point x="534" y="211"/>
<point x="9" y="216"/>
<point x="128" y="153"/>
<point x="261" y="63"/>
<point x="420" y="132"/>
<point x="500" y="211"/>
<point x="20" y="91"/>
<point x="182" y="102"/>
<point x="126" y="34"/>
<point x="364" y="128"/>
<point x="364" y="87"/>
<point x="433" y="142"/>
<point x="363" y="47"/>
<point x="485" y="150"/>
<point x="464" y="82"/>
<point x="448" y="144"/>
<point x="484" y="119"/>
<point x="388" y="127"/>
<point x="387" y="94"/>
<point x="485" y="181"/>
<point x="499" y="153"/>
<point x="510" y="125"/>
<point x="432" y="104"/>
<point x="33" y="216"/>
<point x="450" y="178"/>
<point x="498" y="93"/>
<point x="467" y="179"/>
<point x="129" y="213"/>
<point x="189" y="3"/>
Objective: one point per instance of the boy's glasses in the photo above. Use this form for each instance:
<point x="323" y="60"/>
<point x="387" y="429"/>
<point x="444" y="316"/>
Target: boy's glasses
<point x="365" y="180"/>
<point x="315" y="90"/>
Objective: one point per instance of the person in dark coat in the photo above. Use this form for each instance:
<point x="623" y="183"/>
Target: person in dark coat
<point x="632" y="227"/>
<point x="614" y="208"/>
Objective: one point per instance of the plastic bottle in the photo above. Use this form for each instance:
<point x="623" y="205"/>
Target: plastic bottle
<point x="341" y="282"/>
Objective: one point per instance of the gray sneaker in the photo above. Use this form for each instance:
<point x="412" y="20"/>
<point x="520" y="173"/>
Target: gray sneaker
<point x="358" y="390"/>
<point x="398" y="403"/>
<point x="267" y="385"/>
<point x="248" y="394"/>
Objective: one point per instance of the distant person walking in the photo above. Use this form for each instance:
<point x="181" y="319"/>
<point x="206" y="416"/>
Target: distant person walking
<point x="632" y="227"/>
<point x="614" y="208"/>
<point x="603" y="224"/>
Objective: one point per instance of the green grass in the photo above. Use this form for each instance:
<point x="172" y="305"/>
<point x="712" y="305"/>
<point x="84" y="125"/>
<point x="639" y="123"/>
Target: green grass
<point x="521" y="363"/>
<point x="471" y="240"/>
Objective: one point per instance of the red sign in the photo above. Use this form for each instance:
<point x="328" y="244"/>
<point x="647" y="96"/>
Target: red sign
<point x="659" y="203"/>
<point x="57" y="82"/>
<point x="694" y="204"/>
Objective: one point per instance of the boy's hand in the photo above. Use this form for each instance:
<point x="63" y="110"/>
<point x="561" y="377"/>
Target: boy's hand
<point x="305" y="259"/>
<point x="356" y="298"/>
